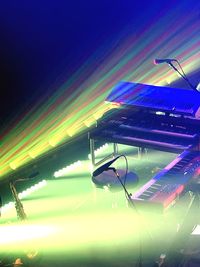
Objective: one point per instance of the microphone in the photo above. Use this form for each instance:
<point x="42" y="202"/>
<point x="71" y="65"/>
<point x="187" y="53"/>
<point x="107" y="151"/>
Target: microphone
<point x="104" y="167"/>
<point x="164" y="60"/>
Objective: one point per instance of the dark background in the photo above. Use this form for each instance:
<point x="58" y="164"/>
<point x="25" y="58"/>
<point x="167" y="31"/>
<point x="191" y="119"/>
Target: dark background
<point x="44" y="42"/>
<point x="39" y="40"/>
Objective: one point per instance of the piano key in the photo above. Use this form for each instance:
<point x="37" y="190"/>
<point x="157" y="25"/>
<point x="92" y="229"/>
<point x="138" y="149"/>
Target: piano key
<point x="162" y="189"/>
<point x="157" y="98"/>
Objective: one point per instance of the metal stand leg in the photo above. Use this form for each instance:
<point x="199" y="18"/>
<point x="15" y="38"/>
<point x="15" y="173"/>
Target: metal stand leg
<point x="92" y="153"/>
<point x="115" y="149"/>
<point x="142" y="152"/>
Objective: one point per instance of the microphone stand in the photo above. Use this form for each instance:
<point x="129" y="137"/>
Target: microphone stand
<point x="183" y="75"/>
<point x="125" y="190"/>
<point x="128" y="196"/>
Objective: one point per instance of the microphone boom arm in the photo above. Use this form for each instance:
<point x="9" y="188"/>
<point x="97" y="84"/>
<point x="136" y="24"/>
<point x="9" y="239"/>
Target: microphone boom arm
<point x="183" y="76"/>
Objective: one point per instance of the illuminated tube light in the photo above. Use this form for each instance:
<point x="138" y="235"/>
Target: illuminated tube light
<point x="7" y="206"/>
<point x="13" y="165"/>
<point x="107" y="106"/>
<point x="23" y="194"/>
<point x="32" y="155"/>
<point x="19" y="162"/>
<point x="57" y="138"/>
<point x="38" y="150"/>
<point x="196" y="230"/>
<point x="32" y="189"/>
<point x="113" y="104"/>
<point x="71" y="131"/>
<point x="98" y="151"/>
<point x="67" y="169"/>
<point x="76" y="128"/>
<point x="54" y="142"/>
<point x="98" y="115"/>
<point x="89" y="122"/>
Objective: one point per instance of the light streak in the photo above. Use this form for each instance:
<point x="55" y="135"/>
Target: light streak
<point x="79" y="102"/>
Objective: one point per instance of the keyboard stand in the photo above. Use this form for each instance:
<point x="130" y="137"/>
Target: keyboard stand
<point x="93" y="157"/>
<point x="142" y="152"/>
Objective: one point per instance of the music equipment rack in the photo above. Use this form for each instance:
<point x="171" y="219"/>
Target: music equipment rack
<point x="155" y="117"/>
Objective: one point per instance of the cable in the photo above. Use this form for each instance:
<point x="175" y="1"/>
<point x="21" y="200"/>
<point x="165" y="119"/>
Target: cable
<point x="127" y="195"/>
<point x="131" y="203"/>
<point x="181" y="68"/>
